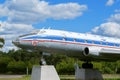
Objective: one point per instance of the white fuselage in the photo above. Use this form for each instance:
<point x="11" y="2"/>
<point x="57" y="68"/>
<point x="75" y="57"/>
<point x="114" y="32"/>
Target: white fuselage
<point x="85" y="46"/>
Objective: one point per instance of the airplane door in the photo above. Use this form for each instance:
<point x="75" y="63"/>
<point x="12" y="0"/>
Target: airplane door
<point x="35" y="41"/>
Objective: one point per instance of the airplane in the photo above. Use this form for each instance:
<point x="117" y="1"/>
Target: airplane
<point x="85" y="46"/>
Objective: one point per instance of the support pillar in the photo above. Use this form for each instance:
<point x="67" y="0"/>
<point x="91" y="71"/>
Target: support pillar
<point x="44" y="73"/>
<point x="87" y="74"/>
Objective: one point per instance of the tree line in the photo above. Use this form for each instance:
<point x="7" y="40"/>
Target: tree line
<point x="2" y="42"/>
<point x="16" y="62"/>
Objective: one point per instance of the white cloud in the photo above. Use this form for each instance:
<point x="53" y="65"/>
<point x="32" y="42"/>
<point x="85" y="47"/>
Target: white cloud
<point x="8" y="43"/>
<point x="15" y="28"/>
<point x="117" y="10"/>
<point x="108" y="29"/>
<point x="32" y="11"/>
<point x="110" y="3"/>
<point x="10" y="31"/>
<point x="69" y="10"/>
<point x="3" y="11"/>
<point x="115" y="18"/>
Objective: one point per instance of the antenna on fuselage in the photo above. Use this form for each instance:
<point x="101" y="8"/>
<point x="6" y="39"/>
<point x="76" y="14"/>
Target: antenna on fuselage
<point x="49" y="28"/>
<point x="43" y="28"/>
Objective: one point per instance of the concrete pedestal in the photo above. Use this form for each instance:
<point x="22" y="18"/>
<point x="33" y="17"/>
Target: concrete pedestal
<point x="44" y="73"/>
<point x="87" y="74"/>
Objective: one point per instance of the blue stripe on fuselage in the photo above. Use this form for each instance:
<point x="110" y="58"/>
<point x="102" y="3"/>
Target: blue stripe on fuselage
<point x="44" y="37"/>
<point x="51" y="37"/>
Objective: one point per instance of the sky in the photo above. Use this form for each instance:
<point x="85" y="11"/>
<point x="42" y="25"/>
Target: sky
<point x="18" y="17"/>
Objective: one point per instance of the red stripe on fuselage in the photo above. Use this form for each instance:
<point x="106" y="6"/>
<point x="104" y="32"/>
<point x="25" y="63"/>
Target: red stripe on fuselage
<point x="66" y="42"/>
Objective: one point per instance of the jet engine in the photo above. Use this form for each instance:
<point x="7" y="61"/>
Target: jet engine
<point x="91" y="51"/>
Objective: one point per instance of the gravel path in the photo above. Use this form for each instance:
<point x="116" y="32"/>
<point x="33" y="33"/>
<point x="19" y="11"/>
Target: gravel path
<point x="11" y="76"/>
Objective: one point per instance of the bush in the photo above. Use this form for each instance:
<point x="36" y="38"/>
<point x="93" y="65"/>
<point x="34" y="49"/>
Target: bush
<point x="17" y="67"/>
<point x="3" y="63"/>
<point x="66" y="66"/>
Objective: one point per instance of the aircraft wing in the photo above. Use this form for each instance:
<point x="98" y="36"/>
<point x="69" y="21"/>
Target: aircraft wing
<point x="108" y="54"/>
<point x="112" y="54"/>
<point x="110" y="51"/>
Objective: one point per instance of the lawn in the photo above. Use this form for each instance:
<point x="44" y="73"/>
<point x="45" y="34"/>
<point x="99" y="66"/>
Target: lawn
<point x="68" y="77"/>
<point x="23" y="78"/>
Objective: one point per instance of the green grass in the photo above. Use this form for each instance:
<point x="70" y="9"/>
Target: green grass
<point x="106" y="77"/>
<point x="111" y="76"/>
<point x="66" y="77"/>
<point x="23" y="78"/>
<point x="112" y="79"/>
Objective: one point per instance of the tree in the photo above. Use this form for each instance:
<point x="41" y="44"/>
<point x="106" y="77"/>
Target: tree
<point x="2" y="42"/>
<point x="66" y="66"/>
<point x="54" y="59"/>
<point x="17" y="67"/>
<point x="4" y="60"/>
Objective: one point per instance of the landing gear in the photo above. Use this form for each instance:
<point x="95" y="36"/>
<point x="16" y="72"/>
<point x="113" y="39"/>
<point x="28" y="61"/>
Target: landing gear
<point x="87" y="65"/>
<point x="42" y="61"/>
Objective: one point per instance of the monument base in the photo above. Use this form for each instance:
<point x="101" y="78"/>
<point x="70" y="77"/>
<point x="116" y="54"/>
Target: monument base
<point x="44" y="73"/>
<point x="87" y="74"/>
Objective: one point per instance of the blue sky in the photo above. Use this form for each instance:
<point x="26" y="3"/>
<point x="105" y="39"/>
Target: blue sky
<point x="21" y="16"/>
<point x="96" y="14"/>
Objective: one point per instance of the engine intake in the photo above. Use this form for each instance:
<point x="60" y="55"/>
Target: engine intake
<point x="94" y="51"/>
<point x="86" y="51"/>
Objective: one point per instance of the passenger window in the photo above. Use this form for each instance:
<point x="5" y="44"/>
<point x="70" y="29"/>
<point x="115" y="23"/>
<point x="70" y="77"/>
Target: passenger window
<point x="82" y="40"/>
<point x="115" y="45"/>
<point x="106" y="43"/>
<point x="92" y="42"/>
<point x="101" y="42"/>
<point x="89" y="41"/>
<point x="64" y="38"/>
<point x="118" y="45"/>
<point x="110" y="44"/>
<point x="97" y="42"/>
<point x="85" y="41"/>
<point x="74" y="39"/>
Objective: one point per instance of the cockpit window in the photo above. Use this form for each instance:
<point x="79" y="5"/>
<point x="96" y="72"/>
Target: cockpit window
<point x="32" y="33"/>
<point x="27" y="34"/>
<point x="41" y="31"/>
